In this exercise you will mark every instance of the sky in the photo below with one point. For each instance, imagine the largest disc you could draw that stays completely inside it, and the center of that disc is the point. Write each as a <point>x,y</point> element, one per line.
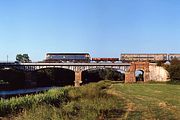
<point>103,28</point>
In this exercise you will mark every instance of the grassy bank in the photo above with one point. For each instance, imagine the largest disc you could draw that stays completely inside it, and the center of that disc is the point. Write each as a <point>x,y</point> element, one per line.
<point>16,105</point>
<point>87,102</point>
<point>102,100</point>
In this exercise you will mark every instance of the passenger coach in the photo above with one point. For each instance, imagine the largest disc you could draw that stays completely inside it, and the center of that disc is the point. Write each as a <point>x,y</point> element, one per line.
<point>172,56</point>
<point>144,57</point>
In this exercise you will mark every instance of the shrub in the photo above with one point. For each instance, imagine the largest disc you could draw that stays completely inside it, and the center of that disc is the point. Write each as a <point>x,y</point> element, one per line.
<point>174,70</point>
<point>90,90</point>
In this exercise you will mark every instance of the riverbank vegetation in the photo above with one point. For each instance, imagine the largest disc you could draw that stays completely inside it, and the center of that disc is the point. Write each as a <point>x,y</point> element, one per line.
<point>86,102</point>
<point>102,100</point>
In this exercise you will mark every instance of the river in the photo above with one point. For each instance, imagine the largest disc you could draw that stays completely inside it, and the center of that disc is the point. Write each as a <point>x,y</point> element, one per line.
<point>7,93</point>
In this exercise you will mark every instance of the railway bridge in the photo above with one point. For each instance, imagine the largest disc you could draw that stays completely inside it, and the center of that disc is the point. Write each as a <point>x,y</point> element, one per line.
<point>78,68</point>
<point>150,73</point>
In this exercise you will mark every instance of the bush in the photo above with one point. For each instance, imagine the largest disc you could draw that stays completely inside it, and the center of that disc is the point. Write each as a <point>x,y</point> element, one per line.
<point>90,90</point>
<point>174,70</point>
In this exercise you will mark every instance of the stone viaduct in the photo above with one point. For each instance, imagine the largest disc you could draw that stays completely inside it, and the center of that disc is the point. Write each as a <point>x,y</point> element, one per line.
<point>151,71</point>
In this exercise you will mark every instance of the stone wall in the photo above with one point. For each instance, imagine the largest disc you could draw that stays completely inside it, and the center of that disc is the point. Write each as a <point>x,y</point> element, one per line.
<point>158,73</point>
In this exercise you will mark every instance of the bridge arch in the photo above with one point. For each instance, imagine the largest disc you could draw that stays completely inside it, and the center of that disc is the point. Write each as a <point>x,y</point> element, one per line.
<point>14,78</point>
<point>116,68</point>
<point>139,74</point>
<point>142,66</point>
<point>52,67</point>
<point>97,74</point>
<point>53,76</point>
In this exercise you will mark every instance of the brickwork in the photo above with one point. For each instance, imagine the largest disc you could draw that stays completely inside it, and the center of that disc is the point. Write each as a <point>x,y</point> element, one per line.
<point>130,74</point>
<point>78,80</point>
<point>130,77</point>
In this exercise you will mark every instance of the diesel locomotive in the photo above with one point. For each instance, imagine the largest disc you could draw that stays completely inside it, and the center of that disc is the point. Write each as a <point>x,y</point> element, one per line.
<point>67,57</point>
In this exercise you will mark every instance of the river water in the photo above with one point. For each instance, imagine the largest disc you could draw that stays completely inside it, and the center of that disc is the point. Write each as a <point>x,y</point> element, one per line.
<point>4,94</point>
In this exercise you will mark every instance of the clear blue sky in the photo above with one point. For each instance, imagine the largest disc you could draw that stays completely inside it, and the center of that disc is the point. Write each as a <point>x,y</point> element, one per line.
<point>103,28</point>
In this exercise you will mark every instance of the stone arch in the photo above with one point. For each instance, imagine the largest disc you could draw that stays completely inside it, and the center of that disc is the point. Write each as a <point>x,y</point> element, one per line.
<point>139,75</point>
<point>130,74</point>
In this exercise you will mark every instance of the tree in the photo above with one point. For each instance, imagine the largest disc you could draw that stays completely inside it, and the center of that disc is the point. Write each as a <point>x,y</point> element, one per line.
<point>24,58</point>
<point>109,74</point>
<point>175,61</point>
<point>174,69</point>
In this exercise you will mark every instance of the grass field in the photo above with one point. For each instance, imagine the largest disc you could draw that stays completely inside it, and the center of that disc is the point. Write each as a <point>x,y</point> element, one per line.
<point>99,101</point>
<point>149,101</point>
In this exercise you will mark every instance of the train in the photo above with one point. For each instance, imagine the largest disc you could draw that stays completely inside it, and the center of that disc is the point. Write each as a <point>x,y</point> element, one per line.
<point>67,57</point>
<point>125,57</point>
<point>144,57</point>
<point>162,57</point>
<point>172,56</point>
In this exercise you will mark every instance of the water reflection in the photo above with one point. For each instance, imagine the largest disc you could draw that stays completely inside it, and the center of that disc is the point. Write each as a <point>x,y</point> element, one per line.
<point>3,94</point>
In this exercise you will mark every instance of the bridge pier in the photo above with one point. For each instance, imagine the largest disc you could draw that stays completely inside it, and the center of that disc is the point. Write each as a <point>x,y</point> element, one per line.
<point>130,77</point>
<point>78,78</point>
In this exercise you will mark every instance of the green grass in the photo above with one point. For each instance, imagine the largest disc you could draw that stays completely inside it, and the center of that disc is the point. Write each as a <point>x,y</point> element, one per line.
<point>149,101</point>
<point>95,101</point>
